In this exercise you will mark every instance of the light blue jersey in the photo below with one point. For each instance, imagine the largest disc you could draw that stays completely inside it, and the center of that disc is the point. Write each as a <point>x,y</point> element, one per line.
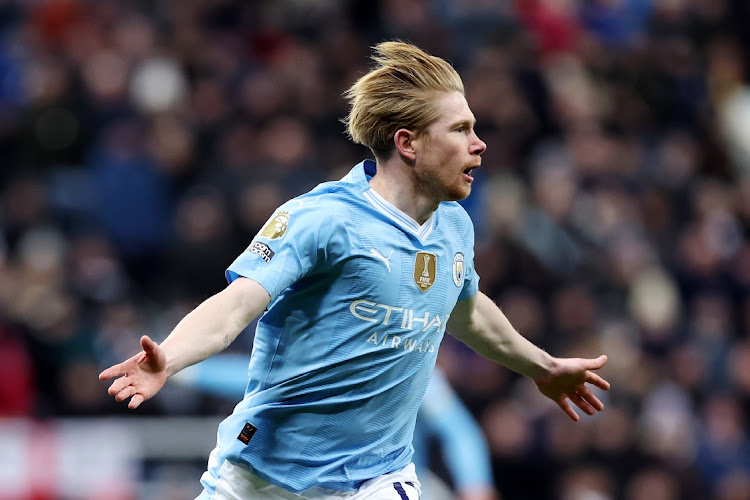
<point>360,297</point>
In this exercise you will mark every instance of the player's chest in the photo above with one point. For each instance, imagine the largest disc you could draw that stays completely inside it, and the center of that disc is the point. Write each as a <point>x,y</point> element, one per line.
<point>402,270</point>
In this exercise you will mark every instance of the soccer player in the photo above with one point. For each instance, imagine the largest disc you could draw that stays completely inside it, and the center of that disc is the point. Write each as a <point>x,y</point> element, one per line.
<point>359,280</point>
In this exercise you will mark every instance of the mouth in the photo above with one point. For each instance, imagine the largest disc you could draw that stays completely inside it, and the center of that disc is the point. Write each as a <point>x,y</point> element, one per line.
<point>467,173</point>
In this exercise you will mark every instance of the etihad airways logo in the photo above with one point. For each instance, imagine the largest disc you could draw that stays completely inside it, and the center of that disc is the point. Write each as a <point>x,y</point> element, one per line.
<point>397,316</point>
<point>395,342</point>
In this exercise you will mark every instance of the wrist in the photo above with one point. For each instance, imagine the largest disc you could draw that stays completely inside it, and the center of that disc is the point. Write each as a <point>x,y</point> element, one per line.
<point>544,367</point>
<point>172,365</point>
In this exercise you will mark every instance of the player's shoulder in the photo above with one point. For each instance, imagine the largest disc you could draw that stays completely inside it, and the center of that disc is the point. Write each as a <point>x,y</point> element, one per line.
<point>454,212</point>
<point>328,198</point>
<point>322,209</point>
<point>454,220</point>
<point>453,208</point>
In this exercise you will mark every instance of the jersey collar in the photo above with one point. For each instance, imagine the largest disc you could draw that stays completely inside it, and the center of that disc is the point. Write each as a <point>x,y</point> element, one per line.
<point>366,171</point>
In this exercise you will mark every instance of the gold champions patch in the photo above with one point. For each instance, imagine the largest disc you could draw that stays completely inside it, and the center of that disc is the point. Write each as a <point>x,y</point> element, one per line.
<point>424,270</point>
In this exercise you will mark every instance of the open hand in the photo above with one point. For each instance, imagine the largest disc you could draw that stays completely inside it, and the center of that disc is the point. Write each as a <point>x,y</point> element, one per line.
<point>141,376</point>
<point>567,381</point>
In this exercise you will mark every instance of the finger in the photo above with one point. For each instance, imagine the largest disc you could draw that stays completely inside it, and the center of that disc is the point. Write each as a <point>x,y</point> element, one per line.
<point>112,371</point>
<point>125,393</point>
<point>582,404</point>
<point>594,379</point>
<point>596,363</point>
<point>119,385</point>
<point>565,406</point>
<point>590,398</point>
<point>136,401</point>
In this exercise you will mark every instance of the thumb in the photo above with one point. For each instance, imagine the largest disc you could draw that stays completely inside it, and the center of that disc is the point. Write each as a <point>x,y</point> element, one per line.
<point>148,345</point>
<point>595,364</point>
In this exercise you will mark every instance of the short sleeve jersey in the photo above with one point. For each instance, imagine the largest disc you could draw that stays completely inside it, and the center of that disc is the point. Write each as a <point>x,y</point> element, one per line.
<point>360,297</point>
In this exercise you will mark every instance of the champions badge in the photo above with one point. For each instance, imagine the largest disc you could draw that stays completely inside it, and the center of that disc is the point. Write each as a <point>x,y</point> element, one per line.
<point>458,269</point>
<point>424,270</point>
<point>276,226</point>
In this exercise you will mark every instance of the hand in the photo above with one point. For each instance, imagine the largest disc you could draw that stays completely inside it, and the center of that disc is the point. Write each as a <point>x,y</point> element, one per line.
<point>568,380</point>
<point>141,376</point>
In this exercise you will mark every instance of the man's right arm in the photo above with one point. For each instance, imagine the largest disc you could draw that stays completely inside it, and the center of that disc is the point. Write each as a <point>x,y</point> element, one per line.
<point>205,331</point>
<point>214,324</point>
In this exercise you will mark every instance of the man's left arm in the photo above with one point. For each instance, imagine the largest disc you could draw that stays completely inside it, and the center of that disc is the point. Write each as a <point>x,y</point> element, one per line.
<point>481,325</point>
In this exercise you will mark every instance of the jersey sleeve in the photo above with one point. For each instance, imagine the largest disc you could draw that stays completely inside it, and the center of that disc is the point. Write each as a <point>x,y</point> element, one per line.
<point>290,245</point>
<point>471,278</point>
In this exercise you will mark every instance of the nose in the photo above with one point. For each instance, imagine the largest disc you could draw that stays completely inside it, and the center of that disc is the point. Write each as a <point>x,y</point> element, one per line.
<point>478,147</point>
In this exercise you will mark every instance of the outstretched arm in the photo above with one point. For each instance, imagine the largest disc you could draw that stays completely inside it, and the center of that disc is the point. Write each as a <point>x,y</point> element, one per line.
<point>480,324</point>
<point>208,329</point>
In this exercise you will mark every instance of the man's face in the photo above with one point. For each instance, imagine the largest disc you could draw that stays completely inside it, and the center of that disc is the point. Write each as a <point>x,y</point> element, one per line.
<point>448,150</point>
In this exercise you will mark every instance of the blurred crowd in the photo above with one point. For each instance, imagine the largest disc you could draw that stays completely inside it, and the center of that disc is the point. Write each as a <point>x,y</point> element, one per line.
<point>144,143</point>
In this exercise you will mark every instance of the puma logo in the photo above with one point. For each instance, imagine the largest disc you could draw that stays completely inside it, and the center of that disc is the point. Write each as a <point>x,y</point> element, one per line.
<point>375,253</point>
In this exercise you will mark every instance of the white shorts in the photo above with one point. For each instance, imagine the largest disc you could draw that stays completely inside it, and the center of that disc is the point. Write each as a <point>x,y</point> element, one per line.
<point>238,483</point>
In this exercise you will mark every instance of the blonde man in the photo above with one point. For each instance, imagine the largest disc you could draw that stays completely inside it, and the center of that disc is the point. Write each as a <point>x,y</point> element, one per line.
<point>359,284</point>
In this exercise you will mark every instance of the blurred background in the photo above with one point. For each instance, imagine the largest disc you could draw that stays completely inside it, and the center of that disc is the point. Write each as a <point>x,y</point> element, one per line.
<point>144,143</point>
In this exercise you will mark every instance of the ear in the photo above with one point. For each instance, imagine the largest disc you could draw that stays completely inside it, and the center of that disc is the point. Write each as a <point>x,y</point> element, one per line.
<point>404,141</point>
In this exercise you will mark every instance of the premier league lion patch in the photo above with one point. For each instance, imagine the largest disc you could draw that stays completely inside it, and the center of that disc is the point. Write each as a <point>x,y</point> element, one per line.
<point>276,226</point>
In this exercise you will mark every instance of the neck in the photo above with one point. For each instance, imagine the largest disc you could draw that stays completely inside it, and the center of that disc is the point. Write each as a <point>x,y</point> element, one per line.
<point>395,181</point>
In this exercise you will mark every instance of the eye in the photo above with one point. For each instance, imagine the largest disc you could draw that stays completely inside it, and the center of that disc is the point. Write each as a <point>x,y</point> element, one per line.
<point>461,128</point>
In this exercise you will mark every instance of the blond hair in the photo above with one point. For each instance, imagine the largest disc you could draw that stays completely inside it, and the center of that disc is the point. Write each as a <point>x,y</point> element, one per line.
<point>397,94</point>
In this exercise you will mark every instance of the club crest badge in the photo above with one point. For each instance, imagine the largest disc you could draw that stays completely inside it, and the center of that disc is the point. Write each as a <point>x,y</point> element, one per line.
<point>425,265</point>
<point>458,269</point>
<point>276,226</point>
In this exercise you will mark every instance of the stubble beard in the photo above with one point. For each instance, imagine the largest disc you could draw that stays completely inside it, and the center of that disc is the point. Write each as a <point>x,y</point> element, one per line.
<point>430,186</point>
